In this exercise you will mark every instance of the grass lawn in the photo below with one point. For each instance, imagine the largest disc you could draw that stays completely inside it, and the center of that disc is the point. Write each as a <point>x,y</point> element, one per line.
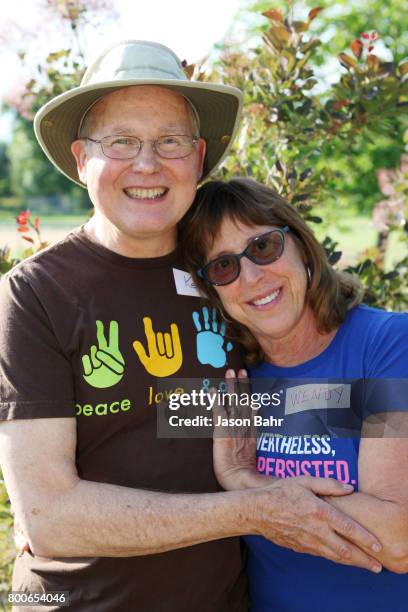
<point>53,227</point>
<point>355,235</point>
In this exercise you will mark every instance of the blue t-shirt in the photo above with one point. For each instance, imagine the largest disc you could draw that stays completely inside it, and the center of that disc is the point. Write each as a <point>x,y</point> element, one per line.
<point>324,401</point>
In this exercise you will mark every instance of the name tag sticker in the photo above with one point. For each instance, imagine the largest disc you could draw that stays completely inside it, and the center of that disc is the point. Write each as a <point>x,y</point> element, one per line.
<point>315,396</point>
<point>185,284</point>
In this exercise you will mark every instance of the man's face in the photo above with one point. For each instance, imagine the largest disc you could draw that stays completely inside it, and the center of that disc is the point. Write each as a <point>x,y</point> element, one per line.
<point>139,199</point>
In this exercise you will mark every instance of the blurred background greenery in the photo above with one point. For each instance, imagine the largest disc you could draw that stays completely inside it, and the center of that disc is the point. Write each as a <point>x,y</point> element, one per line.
<point>324,123</point>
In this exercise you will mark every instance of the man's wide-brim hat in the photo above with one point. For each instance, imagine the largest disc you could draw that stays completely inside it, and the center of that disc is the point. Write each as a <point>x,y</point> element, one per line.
<point>129,63</point>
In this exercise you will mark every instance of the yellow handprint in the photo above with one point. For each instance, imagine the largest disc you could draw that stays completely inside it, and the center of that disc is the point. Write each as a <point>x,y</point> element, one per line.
<point>164,355</point>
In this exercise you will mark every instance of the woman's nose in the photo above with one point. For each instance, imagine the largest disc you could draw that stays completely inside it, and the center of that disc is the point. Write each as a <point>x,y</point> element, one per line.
<point>250,271</point>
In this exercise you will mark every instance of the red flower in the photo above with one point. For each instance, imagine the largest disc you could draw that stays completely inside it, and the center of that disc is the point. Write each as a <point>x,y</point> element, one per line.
<point>357,48</point>
<point>337,104</point>
<point>23,217</point>
<point>369,38</point>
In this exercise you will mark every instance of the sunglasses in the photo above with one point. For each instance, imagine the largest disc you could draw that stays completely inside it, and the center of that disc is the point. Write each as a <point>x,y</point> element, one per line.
<point>262,250</point>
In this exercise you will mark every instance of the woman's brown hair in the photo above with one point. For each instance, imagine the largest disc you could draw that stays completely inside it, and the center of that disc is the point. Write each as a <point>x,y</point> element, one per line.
<point>330,293</point>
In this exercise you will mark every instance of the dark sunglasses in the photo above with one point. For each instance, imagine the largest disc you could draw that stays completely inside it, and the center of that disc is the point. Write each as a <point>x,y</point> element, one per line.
<point>262,250</point>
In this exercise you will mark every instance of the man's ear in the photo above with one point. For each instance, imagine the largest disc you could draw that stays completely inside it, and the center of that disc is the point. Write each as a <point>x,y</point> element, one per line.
<point>78,150</point>
<point>201,148</point>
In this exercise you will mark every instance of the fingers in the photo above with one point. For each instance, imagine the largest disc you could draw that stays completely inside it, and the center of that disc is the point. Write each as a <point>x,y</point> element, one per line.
<point>196,319</point>
<point>321,486</point>
<point>113,336</point>
<point>219,412</point>
<point>110,362</point>
<point>90,363</point>
<point>206,317</point>
<point>352,531</point>
<point>340,522</point>
<point>338,550</point>
<point>239,385</point>
<point>230,380</point>
<point>168,346</point>
<point>86,364</point>
<point>160,343</point>
<point>140,351</point>
<point>94,360</point>
<point>150,336</point>
<point>214,320</point>
<point>175,336</point>
<point>100,335</point>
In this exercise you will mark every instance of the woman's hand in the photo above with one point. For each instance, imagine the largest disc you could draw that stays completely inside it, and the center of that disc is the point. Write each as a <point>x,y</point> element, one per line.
<point>234,447</point>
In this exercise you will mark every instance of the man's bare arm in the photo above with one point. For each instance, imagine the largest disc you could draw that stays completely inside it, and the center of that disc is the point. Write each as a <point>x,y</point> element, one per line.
<point>64,516</point>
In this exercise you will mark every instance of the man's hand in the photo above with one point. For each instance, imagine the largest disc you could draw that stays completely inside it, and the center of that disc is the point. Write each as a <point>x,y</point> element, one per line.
<point>290,513</point>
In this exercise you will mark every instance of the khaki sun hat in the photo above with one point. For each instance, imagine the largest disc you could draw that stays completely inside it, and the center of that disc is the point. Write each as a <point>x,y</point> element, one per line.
<point>137,62</point>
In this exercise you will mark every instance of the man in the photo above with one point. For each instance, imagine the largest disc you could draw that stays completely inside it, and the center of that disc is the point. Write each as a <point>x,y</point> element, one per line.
<point>120,518</point>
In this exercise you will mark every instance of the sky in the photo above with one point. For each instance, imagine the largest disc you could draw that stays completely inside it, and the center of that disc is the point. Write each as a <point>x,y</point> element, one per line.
<point>189,27</point>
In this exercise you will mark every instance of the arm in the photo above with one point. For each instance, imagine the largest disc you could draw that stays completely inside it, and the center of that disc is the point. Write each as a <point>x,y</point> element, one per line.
<point>381,504</point>
<point>302,521</point>
<point>64,516</point>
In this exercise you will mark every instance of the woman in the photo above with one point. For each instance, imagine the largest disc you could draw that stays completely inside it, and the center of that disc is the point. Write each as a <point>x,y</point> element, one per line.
<point>341,368</point>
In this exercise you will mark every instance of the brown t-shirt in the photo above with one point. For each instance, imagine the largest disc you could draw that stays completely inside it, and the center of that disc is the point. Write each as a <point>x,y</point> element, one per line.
<point>86,332</point>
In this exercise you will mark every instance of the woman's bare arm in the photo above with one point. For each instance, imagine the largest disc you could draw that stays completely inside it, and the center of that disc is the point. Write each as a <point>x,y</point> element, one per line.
<point>381,504</point>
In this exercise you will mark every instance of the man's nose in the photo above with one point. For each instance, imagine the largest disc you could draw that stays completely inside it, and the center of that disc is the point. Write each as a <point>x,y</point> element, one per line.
<point>251,272</point>
<point>147,160</point>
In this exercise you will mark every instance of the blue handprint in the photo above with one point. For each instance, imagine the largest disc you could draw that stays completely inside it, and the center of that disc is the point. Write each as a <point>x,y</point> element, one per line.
<point>211,339</point>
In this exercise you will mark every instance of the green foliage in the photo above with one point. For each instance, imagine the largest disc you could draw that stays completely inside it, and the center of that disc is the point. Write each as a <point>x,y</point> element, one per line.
<point>338,25</point>
<point>31,174</point>
<point>6,260</point>
<point>317,148</point>
<point>4,171</point>
<point>31,233</point>
<point>7,550</point>
<point>388,290</point>
<point>346,19</point>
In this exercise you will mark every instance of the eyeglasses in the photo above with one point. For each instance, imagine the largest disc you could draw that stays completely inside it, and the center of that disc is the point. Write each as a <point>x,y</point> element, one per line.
<point>262,250</point>
<point>172,146</point>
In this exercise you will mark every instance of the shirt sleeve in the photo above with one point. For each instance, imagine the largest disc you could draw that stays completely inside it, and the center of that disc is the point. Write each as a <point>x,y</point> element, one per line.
<point>36,379</point>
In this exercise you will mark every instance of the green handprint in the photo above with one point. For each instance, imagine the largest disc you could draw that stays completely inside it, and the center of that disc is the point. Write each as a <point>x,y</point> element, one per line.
<point>105,366</point>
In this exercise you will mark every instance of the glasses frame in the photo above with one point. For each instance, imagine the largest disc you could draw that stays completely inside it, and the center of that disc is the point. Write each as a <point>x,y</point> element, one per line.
<point>201,272</point>
<point>194,141</point>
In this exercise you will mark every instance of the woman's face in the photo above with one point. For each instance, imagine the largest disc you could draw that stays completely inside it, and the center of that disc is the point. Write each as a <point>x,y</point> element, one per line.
<point>268,299</point>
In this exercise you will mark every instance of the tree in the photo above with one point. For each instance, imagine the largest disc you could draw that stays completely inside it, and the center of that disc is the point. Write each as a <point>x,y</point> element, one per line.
<point>307,145</point>
<point>335,27</point>
<point>4,170</point>
<point>30,171</point>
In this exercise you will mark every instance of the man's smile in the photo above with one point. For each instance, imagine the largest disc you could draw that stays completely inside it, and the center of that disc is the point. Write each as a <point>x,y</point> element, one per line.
<point>142,193</point>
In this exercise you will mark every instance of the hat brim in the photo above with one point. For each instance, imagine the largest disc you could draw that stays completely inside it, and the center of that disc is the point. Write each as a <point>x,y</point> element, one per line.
<point>218,107</point>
